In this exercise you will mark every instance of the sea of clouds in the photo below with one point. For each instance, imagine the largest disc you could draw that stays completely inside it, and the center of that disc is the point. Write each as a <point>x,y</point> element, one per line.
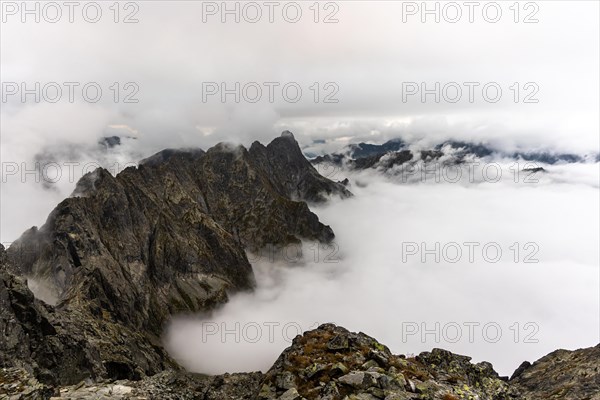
<point>377,277</point>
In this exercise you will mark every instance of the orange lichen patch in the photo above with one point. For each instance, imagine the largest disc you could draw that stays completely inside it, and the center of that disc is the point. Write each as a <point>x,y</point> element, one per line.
<point>450,396</point>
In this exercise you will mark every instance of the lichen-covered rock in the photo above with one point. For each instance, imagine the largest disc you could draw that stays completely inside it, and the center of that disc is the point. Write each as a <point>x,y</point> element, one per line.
<point>562,374</point>
<point>331,363</point>
<point>17,383</point>
<point>310,370</point>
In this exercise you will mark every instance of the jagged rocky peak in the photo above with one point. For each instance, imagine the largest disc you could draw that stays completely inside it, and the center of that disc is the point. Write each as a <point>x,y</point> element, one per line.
<point>288,134</point>
<point>164,155</point>
<point>243,199</point>
<point>168,237</point>
<point>298,179</point>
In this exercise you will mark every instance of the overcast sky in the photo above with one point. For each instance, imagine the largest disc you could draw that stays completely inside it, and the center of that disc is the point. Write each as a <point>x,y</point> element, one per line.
<point>370,62</point>
<point>369,54</point>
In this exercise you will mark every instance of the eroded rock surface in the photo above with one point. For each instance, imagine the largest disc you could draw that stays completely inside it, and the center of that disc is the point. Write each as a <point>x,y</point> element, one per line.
<point>331,363</point>
<point>125,253</point>
<point>561,374</point>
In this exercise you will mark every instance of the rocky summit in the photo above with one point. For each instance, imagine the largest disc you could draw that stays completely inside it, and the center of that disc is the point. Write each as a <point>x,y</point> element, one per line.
<point>85,297</point>
<point>331,363</point>
<point>125,253</point>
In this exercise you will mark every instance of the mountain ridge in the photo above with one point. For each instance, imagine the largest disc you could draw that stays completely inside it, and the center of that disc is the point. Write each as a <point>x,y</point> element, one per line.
<point>166,238</point>
<point>397,152</point>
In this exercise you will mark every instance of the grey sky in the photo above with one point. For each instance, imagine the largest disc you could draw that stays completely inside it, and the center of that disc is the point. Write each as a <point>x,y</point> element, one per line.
<point>368,54</point>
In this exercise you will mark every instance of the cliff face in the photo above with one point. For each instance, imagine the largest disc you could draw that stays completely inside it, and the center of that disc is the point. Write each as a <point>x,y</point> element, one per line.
<point>64,346</point>
<point>169,237</point>
<point>298,180</point>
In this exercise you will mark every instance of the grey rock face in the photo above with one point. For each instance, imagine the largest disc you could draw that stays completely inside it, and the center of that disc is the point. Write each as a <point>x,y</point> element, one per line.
<point>67,346</point>
<point>167,385</point>
<point>562,374</point>
<point>16,383</point>
<point>127,252</point>
<point>183,217</point>
<point>299,179</point>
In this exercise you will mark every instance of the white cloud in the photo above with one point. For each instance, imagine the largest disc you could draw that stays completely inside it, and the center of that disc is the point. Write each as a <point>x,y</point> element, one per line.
<point>372,289</point>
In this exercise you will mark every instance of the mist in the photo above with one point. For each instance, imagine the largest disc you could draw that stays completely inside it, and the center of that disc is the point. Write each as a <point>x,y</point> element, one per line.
<point>503,308</point>
<point>369,66</point>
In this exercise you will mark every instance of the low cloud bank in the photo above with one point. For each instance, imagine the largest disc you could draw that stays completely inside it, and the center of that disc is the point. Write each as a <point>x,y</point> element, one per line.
<point>525,283</point>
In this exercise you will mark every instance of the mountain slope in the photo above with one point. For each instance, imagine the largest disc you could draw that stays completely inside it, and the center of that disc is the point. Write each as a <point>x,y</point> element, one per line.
<point>170,237</point>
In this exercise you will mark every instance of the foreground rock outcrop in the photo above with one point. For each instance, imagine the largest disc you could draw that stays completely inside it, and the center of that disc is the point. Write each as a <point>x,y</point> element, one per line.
<point>331,363</point>
<point>561,374</point>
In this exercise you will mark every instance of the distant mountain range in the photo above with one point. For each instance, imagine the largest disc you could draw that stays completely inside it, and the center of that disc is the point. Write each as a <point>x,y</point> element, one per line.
<point>397,152</point>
